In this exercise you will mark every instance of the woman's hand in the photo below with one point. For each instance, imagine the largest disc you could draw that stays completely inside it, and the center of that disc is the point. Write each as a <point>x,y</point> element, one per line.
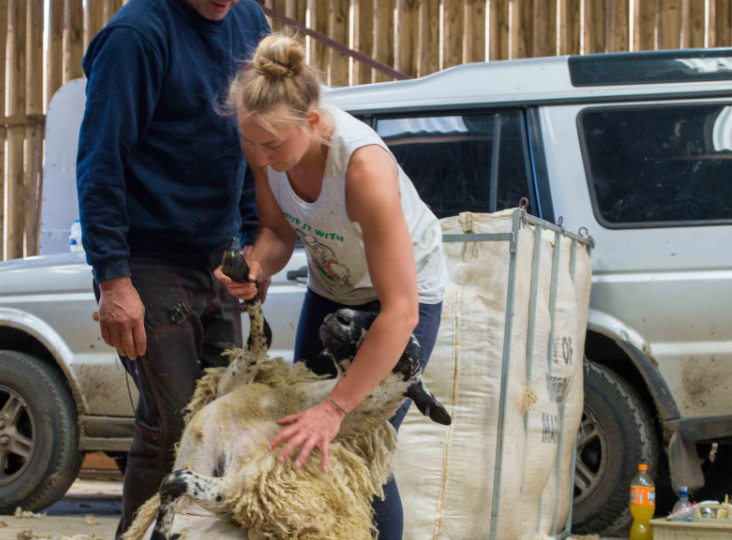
<point>246,291</point>
<point>316,426</point>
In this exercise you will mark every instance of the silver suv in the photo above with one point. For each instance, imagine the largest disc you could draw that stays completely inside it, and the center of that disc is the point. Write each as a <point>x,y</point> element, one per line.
<point>635,147</point>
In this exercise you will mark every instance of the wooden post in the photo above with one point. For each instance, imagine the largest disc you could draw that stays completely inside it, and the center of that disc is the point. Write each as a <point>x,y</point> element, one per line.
<point>453,12</point>
<point>407,36</point>
<point>16,134</point>
<point>108,10</point>
<point>270,22</point>
<point>594,26</point>
<point>383,37</point>
<point>498,31</point>
<point>55,59</point>
<point>338,30</point>
<point>570,26</point>
<point>363,38</point>
<point>34,132</point>
<point>521,28</point>
<point>429,37</point>
<point>617,37</point>
<point>93,20</point>
<point>3,51</point>
<point>280,6</point>
<point>474,42</point>
<point>318,22</point>
<point>295,10</point>
<point>644,26</point>
<point>723,28</point>
<point>544,33</point>
<point>73,40</point>
<point>668,22</point>
<point>695,34</point>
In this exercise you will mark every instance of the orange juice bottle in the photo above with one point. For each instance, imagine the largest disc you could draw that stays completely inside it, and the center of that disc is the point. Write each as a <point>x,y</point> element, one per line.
<point>642,504</point>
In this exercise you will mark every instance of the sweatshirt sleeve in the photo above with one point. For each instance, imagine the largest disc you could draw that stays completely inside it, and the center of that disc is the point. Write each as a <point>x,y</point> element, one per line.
<point>248,210</point>
<point>248,203</point>
<point>125,75</point>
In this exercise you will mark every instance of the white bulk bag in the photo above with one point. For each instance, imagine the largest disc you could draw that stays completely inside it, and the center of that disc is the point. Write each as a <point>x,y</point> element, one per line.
<point>446,475</point>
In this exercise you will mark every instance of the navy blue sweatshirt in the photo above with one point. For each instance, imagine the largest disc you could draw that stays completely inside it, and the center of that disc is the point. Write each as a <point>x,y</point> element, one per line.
<point>159,168</point>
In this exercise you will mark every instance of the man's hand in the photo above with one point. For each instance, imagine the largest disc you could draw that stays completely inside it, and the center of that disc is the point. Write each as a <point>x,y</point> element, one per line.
<point>246,291</point>
<point>122,317</point>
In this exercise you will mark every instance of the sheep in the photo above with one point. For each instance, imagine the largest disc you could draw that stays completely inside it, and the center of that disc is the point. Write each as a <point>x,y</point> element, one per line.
<point>223,464</point>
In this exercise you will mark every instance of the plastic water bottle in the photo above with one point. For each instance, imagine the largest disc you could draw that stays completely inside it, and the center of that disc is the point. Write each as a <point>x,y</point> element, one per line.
<point>75,237</point>
<point>682,508</point>
<point>642,504</point>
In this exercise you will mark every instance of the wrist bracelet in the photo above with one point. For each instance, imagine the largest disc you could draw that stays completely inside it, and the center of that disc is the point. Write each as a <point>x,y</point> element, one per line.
<point>336,404</point>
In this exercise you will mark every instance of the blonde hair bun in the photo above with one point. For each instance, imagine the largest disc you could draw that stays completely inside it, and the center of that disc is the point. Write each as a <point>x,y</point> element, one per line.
<point>279,56</point>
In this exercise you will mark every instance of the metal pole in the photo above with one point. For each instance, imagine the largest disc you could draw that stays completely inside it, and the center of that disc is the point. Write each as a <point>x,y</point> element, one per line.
<point>573,462</point>
<point>504,375</point>
<point>495,160</point>
<point>550,355</point>
<point>553,295</point>
<point>534,295</point>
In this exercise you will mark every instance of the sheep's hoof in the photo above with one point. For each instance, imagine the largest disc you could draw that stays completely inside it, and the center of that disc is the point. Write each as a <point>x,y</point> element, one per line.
<point>235,267</point>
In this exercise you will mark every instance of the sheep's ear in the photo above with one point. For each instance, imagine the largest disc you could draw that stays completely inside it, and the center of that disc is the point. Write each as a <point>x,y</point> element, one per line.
<point>427,404</point>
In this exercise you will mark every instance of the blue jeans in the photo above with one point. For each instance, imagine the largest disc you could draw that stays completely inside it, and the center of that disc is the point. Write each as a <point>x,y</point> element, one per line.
<point>389,514</point>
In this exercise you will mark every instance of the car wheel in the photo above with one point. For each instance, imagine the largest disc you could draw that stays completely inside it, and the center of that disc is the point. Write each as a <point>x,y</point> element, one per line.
<point>39,434</point>
<point>616,435</point>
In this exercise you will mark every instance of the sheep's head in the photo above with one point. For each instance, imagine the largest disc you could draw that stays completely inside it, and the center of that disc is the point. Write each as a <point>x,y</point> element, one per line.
<point>343,332</point>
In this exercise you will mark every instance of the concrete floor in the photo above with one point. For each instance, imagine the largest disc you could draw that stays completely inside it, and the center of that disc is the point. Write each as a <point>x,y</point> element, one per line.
<point>67,518</point>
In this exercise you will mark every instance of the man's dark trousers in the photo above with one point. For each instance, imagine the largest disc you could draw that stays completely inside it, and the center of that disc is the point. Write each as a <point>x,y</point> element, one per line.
<point>190,319</point>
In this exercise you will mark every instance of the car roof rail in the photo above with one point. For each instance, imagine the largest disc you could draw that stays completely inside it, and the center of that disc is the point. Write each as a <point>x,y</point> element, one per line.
<point>651,67</point>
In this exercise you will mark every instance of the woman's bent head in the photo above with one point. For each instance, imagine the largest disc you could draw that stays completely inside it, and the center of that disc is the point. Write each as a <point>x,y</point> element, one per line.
<point>277,100</point>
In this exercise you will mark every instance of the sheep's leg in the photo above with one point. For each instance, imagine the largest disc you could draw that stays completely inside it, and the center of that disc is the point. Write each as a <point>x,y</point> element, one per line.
<point>245,363</point>
<point>203,490</point>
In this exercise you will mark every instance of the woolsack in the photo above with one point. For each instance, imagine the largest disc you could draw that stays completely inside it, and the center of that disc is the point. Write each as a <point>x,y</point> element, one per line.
<point>449,493</point>
<point>223,464</point>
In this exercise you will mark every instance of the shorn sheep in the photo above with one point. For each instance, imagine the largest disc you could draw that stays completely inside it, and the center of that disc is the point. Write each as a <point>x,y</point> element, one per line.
<point>223,464</point>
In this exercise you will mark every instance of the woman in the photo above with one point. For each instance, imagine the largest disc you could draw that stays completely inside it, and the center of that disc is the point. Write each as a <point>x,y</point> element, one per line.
<point>372,244</point>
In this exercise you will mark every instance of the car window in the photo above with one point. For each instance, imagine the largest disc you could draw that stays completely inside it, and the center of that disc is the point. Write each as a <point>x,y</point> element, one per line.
<point>659,166</point>
<point>475,163</point>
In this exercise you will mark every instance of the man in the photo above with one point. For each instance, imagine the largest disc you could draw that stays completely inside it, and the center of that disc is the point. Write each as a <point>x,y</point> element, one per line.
<point>162,191</point>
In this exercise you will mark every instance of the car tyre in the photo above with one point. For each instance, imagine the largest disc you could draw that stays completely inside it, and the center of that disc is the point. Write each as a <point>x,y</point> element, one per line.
<point>617,434</point>
<point>39,438</point>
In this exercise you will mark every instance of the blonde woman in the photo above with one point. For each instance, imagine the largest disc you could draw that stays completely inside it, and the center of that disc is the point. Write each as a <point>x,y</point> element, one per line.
<point>372,244</point>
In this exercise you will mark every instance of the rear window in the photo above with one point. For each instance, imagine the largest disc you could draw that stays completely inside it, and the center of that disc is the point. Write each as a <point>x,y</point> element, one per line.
<point>468,163</point>
<point>659,166</point>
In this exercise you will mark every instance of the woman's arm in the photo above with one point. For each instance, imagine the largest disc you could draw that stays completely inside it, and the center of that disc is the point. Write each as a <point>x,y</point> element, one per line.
<point>373,200</point>
<point>275,239</point>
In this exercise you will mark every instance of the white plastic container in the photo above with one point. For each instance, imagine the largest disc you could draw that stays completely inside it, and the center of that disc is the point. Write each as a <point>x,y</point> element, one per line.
<point>75,237</point>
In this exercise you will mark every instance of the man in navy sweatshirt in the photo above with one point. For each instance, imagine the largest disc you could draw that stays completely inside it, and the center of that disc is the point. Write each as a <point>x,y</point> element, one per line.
<point>163,187</point>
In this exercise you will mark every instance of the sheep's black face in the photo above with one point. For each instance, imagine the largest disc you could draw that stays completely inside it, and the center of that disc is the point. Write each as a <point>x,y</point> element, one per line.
<point>342,332</point>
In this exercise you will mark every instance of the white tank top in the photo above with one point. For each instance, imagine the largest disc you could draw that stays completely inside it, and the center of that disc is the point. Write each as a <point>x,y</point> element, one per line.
<point>334,243</point>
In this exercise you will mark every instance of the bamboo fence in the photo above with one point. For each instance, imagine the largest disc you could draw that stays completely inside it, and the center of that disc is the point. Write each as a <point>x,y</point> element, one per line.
<point>415,37</point>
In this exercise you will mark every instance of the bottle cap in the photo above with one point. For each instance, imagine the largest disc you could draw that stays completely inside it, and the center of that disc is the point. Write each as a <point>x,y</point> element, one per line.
<point>642,467</point>
<point>684,492</point>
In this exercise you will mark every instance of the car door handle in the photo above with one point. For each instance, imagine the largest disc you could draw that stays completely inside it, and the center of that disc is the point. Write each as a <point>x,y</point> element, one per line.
<point>296,275</point>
